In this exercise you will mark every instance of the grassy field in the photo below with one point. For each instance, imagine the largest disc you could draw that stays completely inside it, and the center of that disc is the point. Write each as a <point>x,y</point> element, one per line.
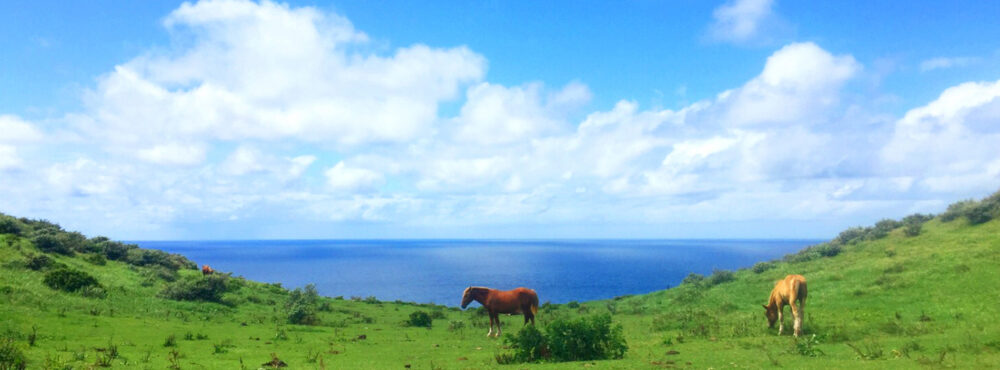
<point>895,301</point>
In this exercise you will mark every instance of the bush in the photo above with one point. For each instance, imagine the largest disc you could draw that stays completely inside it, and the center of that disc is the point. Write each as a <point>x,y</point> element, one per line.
<point>760,267</point>
<point>69,280</point>
<point>529,345</point>
<point>693,279</point>
<point>882,228</point>
<point>115,250</point>
<point>580,339</point>
<point>585,338</point>
<point>97,259</point>
<point>720,276</point>
<point>197,288</point>
<point>827,249</point>
<point>10,225</point>
<point>850,235</point>
<point>38,262</point>
<point>11,357</point>
<point>912,229</point>
<point>302,305</point>
<point>420,319</point>
<point>980,213</point>
<point>49,243</point>
<point>956,210</point>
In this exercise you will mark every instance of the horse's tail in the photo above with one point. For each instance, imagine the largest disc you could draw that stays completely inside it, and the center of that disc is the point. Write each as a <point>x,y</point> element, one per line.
<point>534,304</point>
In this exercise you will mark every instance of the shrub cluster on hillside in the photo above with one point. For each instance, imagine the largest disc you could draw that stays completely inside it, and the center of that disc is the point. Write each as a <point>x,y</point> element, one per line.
<point>51,238</point>
<point>302,306</point>
<point>69,280</point>
<point>976,212</point>
<point>580,339</point>
<point>198,288</point>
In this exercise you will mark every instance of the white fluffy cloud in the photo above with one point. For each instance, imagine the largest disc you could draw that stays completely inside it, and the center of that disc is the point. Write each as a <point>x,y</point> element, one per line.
<point>951,142</point>
<point>15,132</point>
<point>740,20</point>
<point>799,84</point>
<point>267,71</point>
<point>342,178</point>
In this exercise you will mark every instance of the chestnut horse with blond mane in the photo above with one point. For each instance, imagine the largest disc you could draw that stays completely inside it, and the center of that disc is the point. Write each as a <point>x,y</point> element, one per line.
<point>786,292</point>
<point>517,301</point>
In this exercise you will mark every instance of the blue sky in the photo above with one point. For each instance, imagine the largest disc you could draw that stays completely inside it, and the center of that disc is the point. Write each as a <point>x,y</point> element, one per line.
<point>494,119</point>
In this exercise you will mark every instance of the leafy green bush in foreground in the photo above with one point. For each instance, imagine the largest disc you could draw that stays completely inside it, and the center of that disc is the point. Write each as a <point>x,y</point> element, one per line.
<point>580,339</point>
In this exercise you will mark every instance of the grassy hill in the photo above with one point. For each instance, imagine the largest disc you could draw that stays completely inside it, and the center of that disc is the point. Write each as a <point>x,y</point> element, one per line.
<point>918,292</point>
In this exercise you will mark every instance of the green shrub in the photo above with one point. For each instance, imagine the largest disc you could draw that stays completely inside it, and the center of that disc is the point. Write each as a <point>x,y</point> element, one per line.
<point>760,267</point>
<point>420,319</point>
<point>11,357</point>
<point>69,280</point>
<point>573,304</point>
<point>529,345</point>
<point>150,257</point>
<point>10,225</point>
<point>38,262</point>
<point>912,229</point>
<point>579,339</point>
<point>585,338</point>
<point>980,213</point>
<point>882,228</point>
<point>827,249</point>
<point>49,243</point>
<point>302,305</point>
<point>693,279</point>
<point>956,210</point>
<point>850,235</point>
<point>720,276</point>
<point>197,288</point>
<point>97,259</point>
<point>115,250</point>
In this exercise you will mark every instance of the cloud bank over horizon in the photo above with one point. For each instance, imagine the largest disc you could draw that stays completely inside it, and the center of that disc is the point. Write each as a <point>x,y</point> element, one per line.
<point>264,120</point>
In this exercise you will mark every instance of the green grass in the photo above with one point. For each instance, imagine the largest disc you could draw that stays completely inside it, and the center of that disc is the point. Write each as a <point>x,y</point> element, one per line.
<point>895,302</point>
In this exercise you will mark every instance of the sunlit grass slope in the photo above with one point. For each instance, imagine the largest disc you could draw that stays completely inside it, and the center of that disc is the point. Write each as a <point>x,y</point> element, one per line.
<point>882,297</point>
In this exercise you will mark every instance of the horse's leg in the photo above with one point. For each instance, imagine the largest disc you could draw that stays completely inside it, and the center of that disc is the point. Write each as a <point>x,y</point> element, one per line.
<point>499,332</point>
<point>781,318</point>
<point>799,314</point>
<point>490,334</point>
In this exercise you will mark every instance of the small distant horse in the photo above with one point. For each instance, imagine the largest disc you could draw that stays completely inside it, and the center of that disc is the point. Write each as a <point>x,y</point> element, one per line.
<point>517,301</point>
<point>205,270</point>
<point>786,292</point>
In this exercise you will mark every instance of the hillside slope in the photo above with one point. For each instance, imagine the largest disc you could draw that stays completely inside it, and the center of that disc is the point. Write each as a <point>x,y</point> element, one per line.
<point>878,298</point>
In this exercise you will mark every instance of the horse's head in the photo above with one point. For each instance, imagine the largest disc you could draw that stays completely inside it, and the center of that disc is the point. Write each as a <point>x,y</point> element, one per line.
<point>771,311</point>
<point>467,297</point>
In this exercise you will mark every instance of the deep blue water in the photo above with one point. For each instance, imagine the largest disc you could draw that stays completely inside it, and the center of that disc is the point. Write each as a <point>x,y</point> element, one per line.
<point>439,270</point>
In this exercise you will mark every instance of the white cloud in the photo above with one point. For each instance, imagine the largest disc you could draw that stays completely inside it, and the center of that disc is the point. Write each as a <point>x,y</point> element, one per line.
<point>13,129</point>
<point>494,114</point>
<point>351,179</point>
<point>267,71</point>
<point>740,21</point>
<point>951,143</point>
<point>174,154</point>
<point>799,84</point>
<point>947,62</point>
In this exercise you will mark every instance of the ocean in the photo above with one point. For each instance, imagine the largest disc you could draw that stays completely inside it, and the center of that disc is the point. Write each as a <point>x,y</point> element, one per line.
<point>437,271</point>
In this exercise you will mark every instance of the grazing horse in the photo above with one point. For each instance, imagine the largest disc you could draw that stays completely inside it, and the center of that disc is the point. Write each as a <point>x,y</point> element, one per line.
<point>205,270</point>
<point>786,292</point>
<point>517,301</point>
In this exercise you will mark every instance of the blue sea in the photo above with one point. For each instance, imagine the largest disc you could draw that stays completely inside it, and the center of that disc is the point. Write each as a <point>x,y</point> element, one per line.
<point>437,271</point>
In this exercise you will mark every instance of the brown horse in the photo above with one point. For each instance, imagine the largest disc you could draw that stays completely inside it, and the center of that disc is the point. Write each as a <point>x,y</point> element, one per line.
<point>517,301</point>
<point>786,292</point>
<point>205,270</point>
